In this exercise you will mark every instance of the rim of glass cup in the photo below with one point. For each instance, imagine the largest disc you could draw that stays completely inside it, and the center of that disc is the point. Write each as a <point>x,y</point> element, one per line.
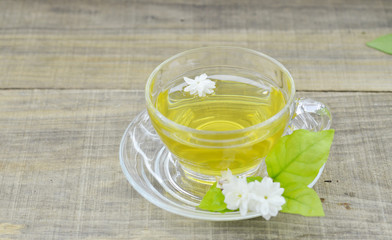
<point>207,132</point>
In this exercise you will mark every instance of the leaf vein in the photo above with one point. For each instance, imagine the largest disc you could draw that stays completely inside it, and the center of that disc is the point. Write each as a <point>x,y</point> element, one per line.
<point>295,158</point>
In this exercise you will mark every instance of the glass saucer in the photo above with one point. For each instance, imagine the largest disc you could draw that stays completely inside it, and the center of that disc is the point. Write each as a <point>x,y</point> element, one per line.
<point>153,173</point>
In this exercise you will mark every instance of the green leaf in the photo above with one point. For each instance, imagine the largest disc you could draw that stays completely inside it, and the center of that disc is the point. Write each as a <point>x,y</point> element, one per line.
<point>302,200</point>
<point>297,158</point>
<point>383,43</point>
<point>254,178</point>
<point>213,200</point>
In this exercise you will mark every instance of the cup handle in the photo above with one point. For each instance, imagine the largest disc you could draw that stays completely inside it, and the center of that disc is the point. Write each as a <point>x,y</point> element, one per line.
<point>310,115</point>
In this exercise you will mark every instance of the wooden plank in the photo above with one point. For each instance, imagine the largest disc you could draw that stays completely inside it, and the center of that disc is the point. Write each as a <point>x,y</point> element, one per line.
<point>116,44</point>
<point>179,15</point>
<point>327,60</point>
<point>60,177</point>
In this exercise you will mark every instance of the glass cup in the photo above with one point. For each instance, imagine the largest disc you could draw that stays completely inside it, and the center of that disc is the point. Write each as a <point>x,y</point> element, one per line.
<point>203,152</point>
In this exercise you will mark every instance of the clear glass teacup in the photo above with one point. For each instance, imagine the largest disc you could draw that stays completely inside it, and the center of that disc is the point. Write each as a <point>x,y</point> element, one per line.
<point>251,106</point>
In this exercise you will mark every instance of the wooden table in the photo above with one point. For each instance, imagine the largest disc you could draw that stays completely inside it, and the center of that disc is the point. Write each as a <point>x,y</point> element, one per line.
<point>72,75</point>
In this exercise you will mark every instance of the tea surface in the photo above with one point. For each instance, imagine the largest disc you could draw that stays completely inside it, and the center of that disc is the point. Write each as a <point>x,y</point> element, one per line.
<point>233,106</point>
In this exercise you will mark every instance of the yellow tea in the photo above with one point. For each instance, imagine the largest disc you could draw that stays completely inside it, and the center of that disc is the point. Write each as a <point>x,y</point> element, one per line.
<point>236,107</point>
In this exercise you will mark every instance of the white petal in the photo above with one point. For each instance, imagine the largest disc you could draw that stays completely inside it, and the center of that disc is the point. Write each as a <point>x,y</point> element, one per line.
<point>267,180</point>
<point>201,92</point>
<point>210,83</point>
<point>273,212</point>
<point>227,177</point>
<point>244,208</point>
<point>267,217</point>
<point>279,201</point>
<point>264,208</point>
<point>187,89</point>
<point>227,174</point>
<point>232,200</point>
<point>190,87</point>
<point>209,91</point>
<point>188,80</point>
<point>203,76</point>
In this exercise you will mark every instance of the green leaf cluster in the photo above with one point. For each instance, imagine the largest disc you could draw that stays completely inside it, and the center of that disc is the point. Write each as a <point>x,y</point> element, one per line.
<point>294,162</point>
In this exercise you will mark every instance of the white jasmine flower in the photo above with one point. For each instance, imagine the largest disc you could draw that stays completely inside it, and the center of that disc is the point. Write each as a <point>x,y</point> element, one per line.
<point>200,85</point>
<point>266,197</point>
<point>227,177</point>
<point>236,195</point>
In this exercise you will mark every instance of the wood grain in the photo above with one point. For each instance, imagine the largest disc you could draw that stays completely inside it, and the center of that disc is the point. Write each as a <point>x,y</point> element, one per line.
<point>60,176</point>
<point>179,15</point>
<point>116,44</point>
